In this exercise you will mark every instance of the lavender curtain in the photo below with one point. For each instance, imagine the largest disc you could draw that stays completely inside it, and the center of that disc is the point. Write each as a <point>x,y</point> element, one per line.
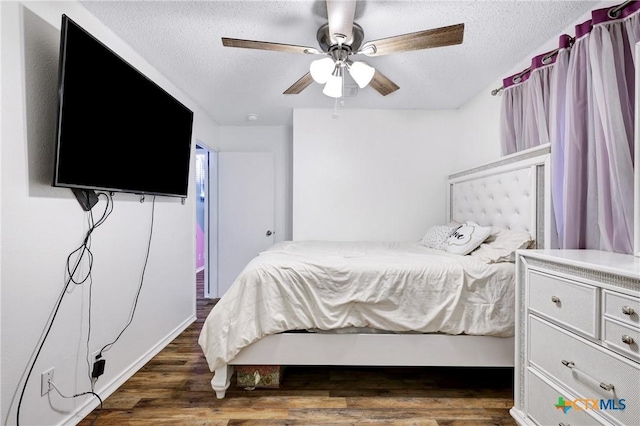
<point>525,112</point>
<point>611,50</point>
<point>511,120</point>
<point>578,171</point>
<point>557,122</point>
<point>586,106</point>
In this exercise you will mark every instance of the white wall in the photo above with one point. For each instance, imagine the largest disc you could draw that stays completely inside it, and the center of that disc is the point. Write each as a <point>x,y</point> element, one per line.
<point>276,139</point>
<point>479,131</point>
<point>463,139</point>
<point>371,174</point>
<point>41,225</point>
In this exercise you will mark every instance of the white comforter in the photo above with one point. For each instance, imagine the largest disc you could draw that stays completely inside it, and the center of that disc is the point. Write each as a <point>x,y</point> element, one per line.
<point>388,286</point>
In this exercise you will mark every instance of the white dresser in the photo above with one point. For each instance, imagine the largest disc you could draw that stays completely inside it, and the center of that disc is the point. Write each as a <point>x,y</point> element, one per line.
<point>577,338</point>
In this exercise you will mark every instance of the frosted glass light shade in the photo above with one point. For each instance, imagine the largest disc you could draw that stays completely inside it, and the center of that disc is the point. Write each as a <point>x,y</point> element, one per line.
<point>362,73</point>
<point>321,70</point>
<point>333,88</point>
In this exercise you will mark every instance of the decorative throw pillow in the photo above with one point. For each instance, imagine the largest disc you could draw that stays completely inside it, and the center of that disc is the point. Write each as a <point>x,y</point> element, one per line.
<point>466,238</point>
<point>436,236</point>
<point>502,245</point>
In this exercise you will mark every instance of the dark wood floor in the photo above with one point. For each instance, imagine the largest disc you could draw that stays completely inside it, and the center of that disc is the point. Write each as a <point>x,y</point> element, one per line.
<point>174,388</point>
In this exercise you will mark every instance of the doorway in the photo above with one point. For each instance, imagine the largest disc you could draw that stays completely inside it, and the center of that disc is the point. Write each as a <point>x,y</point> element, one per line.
<point>246,211</point>
<point>206,221</point>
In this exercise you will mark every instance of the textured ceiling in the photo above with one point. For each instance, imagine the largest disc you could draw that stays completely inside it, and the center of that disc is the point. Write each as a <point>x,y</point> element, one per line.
<point>183,41</point>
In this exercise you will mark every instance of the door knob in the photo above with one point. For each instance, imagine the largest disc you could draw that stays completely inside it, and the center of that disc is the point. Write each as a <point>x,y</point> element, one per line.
<point>269,233</point>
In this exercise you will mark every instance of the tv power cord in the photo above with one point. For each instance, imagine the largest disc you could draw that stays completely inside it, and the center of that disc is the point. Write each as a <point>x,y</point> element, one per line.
<point>82,250</point>
<point>52,385</point>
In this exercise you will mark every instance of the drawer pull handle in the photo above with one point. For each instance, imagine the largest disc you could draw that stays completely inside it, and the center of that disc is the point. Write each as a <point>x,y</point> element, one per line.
<point>569,364</point>
<point>627,339</point>
<point>555,299</point>
<point>606,387</point>
<point>563,424</point>
<point>628,310</point>
<point>572,365</point>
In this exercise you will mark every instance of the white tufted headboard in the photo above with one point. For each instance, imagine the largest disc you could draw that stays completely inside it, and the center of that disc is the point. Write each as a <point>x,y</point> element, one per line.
<point>511,193</point>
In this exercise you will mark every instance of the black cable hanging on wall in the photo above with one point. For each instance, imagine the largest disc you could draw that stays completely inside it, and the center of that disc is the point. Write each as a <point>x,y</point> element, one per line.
<point>84,250</point>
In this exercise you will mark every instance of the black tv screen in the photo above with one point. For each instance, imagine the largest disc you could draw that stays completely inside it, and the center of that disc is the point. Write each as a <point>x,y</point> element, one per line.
<point>117,130</point>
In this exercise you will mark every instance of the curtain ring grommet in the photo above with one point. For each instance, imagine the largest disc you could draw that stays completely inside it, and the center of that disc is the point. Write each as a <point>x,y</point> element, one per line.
<point>614,13</point>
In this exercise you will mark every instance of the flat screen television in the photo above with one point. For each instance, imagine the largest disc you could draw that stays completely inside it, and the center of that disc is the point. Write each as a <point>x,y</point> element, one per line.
<point>117,130</point>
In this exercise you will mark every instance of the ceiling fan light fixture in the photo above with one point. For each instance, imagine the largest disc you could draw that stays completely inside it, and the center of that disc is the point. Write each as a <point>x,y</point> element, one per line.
<point>362,73</point>
<point>321,70</point>
<point>333,87</point>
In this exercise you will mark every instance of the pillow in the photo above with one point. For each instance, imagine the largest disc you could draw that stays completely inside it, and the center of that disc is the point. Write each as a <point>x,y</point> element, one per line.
<point>466,238</point>
<point>501,245</point>
<point>436,236</point>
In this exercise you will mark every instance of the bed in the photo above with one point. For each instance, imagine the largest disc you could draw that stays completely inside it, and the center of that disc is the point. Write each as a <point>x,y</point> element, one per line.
<point>436,308</point>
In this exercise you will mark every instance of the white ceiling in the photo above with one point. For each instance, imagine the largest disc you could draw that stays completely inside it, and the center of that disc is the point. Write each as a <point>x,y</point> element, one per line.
<point>182,39</point>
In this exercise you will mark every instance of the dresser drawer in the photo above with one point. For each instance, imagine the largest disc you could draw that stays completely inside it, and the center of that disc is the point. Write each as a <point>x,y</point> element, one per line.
<point>565,302</point>
<point>542,404</point>
<point>551,348</point>
<point>622,307</point>
<point>621,338</point>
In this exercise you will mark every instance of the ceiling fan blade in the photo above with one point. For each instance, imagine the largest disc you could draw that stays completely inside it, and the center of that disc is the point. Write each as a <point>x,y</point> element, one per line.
<point>340,14</point>
<point>382,84</point>
<point>436,37</point>
<point>299,85</point>
<point>265,45</point>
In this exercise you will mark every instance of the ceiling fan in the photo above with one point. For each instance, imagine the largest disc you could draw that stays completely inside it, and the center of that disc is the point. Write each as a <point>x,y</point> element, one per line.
<point>340,39</point>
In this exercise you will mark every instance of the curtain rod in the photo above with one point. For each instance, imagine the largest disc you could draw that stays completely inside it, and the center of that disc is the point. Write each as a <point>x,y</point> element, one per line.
<point>518,77</point>
<point>613,13</point>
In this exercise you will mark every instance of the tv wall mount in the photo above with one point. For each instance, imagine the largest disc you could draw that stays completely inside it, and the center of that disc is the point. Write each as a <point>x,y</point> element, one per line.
<point>86,197</point>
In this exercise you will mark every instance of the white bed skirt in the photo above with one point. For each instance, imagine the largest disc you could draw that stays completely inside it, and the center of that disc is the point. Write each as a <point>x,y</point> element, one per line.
<point>370,350</point>
<point>379,350</point>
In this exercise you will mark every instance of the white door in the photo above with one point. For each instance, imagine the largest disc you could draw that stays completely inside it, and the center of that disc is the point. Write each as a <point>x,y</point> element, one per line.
<point>211,270</point>
<point>246,189</point>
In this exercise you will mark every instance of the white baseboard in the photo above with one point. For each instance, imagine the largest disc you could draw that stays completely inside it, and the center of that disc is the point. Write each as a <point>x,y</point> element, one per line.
<point>109,388</point>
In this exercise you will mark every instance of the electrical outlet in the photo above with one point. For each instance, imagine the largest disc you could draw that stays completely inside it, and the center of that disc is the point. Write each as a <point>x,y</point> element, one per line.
<point>45,377</point>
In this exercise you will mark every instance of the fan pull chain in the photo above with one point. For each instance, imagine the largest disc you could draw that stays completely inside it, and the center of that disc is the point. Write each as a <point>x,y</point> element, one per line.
<point>339,102</point>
